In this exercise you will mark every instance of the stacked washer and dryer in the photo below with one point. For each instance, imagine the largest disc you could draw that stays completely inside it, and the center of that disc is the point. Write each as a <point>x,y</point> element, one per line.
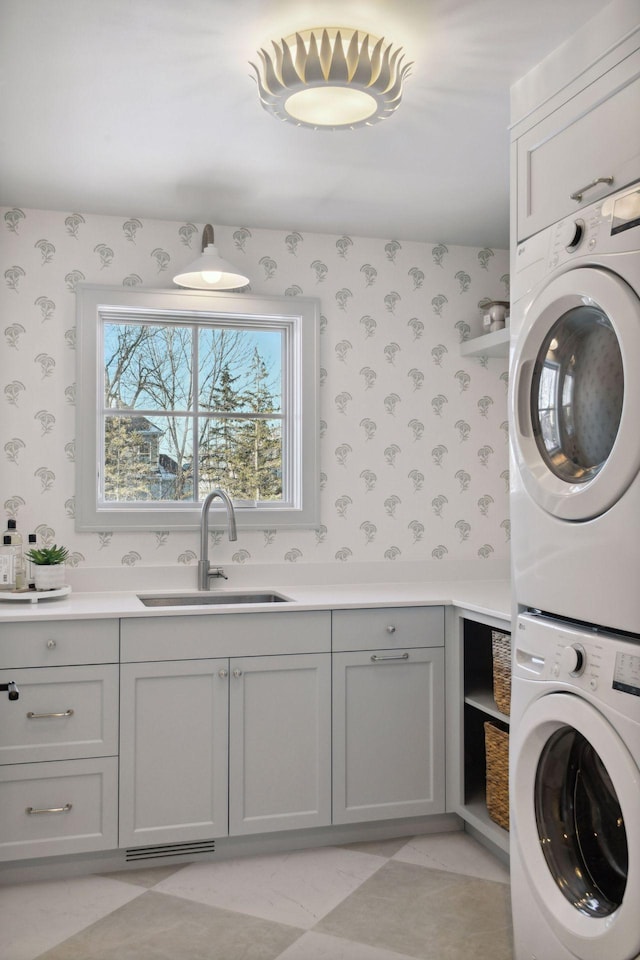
<point>575,508</point>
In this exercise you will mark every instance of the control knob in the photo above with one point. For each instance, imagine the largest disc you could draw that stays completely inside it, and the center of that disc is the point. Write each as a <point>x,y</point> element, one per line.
<point>573,659</point>
<point>571,234</point>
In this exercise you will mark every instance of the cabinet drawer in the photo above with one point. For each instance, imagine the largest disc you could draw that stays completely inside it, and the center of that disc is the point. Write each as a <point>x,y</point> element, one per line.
<point>225,635</point>
<point>54,808</point>
<point>62,713</point>
<point>388,628</point>
<point>58,642</point>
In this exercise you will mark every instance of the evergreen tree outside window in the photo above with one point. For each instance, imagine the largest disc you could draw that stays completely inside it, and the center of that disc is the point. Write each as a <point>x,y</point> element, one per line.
<point>194,391</point>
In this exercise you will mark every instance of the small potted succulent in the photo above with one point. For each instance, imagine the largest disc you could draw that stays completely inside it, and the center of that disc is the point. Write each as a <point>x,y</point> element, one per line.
<point>48,566</point>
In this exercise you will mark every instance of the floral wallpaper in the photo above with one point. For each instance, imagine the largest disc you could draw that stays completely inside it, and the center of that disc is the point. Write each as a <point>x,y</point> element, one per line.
<point>413,436</point>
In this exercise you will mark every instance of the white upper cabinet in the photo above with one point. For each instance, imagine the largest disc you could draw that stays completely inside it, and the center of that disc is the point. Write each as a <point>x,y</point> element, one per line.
<point>575,135</point>
<point>577,154</point>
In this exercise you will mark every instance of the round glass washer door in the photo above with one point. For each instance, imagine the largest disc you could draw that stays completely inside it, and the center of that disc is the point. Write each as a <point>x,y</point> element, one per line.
<point>580,824</point>
<point>575,392</point>
<point>576,818</point>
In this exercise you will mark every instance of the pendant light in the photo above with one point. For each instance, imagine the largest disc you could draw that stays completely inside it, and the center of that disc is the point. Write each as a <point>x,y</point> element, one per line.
<point>210,271</point>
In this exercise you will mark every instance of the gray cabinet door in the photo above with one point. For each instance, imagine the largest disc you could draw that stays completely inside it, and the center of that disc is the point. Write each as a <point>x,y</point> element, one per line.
<point>280,742</point>
<point>173,751</point>
<point>388,734</point>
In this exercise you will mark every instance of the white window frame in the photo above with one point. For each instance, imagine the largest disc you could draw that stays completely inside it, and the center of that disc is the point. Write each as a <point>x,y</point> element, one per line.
<point>299,317</point>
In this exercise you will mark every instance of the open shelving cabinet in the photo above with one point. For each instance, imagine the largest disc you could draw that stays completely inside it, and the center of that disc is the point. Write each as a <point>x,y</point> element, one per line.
<point>470,703</point>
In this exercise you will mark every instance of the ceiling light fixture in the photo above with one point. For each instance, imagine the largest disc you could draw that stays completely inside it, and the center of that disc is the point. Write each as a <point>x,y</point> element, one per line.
<point>331,78</point>
<point>210,271</point>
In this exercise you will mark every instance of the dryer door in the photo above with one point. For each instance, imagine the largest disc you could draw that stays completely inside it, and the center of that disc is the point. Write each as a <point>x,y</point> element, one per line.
<point>576,815</point>
<point>576,393</point>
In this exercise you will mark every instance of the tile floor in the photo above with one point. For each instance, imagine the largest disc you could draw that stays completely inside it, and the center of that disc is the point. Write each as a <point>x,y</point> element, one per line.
<point>436,897</point>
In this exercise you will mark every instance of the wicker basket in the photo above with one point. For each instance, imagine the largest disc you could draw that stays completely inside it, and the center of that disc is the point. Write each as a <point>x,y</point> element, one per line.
<point>497,751</point>
<point>501,648</point>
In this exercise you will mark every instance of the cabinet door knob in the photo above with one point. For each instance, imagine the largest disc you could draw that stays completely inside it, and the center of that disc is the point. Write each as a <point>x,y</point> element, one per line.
<point>237,673</point>
<point>223,674</point>
<point>51,644</point>
<point>391,628</point>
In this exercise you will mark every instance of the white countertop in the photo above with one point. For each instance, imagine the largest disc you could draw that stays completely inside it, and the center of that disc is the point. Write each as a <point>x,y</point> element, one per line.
<point>489,597</point>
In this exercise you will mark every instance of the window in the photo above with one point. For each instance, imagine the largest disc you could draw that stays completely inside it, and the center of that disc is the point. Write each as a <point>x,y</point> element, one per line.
<point>193,391</point>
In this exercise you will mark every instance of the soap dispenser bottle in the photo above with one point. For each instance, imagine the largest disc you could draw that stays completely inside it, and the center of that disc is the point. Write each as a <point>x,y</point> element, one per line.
<point>30,567</point>
<point>15,538</point>
<point>7,564</point>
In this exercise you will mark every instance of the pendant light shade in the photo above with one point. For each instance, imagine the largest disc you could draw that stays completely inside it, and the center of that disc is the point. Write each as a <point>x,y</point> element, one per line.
<point>331,78</point>
<point>210,271</point>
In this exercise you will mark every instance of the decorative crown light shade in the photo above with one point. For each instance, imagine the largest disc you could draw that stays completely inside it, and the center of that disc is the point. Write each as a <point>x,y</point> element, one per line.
<point>210,271</point>
<point>333,78</point>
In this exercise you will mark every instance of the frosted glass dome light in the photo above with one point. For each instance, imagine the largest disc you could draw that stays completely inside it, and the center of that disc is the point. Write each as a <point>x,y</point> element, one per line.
<point>332,78</point>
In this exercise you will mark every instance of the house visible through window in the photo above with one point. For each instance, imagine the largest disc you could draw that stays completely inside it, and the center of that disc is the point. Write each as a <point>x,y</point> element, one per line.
<point>191,392</point>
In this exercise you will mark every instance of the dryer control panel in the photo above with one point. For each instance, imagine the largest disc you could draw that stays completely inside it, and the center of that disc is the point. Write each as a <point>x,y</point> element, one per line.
<point>626,675</point>
<point>575,659</point>
<point>608,226</point>
<point>602,665</point>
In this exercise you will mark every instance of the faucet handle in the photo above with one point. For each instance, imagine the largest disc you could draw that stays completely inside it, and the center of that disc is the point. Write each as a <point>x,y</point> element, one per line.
<point>217,572</point>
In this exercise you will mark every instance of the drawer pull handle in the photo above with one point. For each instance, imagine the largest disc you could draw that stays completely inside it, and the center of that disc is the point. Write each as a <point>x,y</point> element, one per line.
<point>48,716</point>
<point>401,656</point>
<point>391,628</point>
<point>34,810</point>
<point>51,644</point>
<point>594,183</point>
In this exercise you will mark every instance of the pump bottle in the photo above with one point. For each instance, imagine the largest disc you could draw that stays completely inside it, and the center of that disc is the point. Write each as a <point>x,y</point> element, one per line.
<point>16,542</point>
<point>7,564</point>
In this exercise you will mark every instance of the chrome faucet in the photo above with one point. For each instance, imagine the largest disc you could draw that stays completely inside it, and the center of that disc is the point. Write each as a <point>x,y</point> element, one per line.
<point>204,572</point>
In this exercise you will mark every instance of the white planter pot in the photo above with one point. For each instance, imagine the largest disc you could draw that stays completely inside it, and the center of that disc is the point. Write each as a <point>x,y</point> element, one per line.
<point>49,576</point>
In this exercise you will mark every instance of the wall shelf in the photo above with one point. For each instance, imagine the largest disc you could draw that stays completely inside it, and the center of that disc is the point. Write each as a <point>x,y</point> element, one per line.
<point>495,344</point>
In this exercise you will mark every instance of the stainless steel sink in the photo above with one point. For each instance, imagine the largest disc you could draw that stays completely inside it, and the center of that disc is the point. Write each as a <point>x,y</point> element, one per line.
<point>209,599</point>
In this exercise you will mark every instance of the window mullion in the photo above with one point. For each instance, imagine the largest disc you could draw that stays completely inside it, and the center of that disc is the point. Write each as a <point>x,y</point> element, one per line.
<point>195,409</point>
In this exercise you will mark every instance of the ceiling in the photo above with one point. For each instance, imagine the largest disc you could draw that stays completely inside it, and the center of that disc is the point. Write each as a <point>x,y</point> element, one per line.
<point>148,108</point>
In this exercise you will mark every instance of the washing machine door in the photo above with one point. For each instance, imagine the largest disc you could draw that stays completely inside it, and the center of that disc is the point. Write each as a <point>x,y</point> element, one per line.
<point>576,394</point>
<point>575,815</point>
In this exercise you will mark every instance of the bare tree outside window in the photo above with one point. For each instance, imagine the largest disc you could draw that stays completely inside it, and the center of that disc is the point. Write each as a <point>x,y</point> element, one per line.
<point>189,406</point>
